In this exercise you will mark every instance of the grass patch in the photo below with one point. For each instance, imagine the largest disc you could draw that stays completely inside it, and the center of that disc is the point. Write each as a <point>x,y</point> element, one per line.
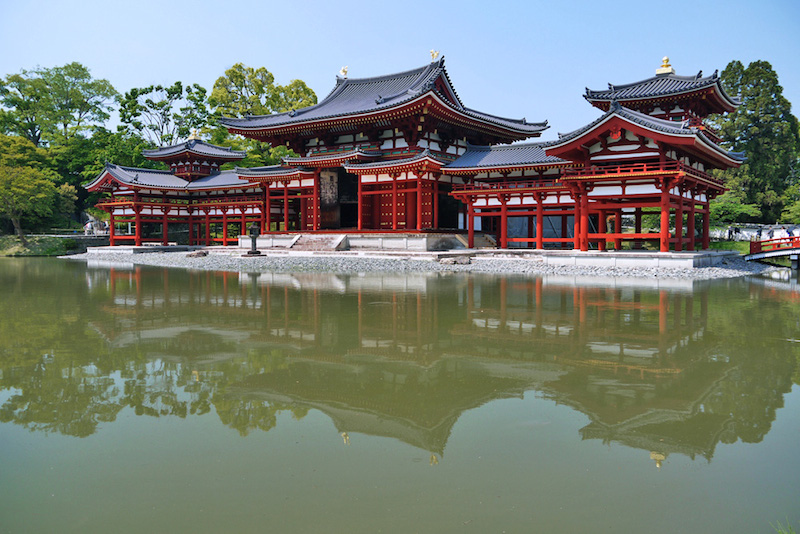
<point>780,529</point>
<point>742,247</point>
<point>10,245</point>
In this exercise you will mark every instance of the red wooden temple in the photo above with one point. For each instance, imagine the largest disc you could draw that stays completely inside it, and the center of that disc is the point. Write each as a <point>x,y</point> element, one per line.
<point>401,153</point>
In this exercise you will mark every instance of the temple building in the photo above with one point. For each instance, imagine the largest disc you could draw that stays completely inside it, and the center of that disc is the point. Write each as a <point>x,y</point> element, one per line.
<point>401,153</point>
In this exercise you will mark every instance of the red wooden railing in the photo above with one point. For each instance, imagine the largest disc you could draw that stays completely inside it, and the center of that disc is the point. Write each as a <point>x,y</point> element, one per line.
<point>516,184</point>
<point>769,245</point>
<point>637,168</point>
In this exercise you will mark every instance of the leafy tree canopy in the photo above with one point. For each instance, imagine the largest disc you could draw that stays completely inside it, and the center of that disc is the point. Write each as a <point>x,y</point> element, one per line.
<point>245,91</point>
<point>764,128</point>
<point>164,115</point>
<point>53,105</point>
<point>25,191</point>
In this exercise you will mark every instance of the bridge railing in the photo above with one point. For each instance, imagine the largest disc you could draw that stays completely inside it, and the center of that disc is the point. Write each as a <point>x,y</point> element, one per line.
<point>779,243</point>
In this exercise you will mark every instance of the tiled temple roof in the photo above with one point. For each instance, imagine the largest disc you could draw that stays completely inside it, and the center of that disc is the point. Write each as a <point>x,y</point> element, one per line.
<point>352,96</point>
<point>149,178</point>
<point>658,86</point>
<point>333,157</point>
<point>194,146</point>
<point>272,171</point>
<point>676,128</point>
<point>499,156</point>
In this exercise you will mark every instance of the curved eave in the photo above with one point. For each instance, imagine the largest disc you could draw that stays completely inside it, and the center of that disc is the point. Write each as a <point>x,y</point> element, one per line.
<point>489,124</point>
<point>459,171</point>
<point>332,159</point>
<point>98,183</point>
<point>723,100</point>
<point>102,183</point>
<point>423,163</point>
<point>692,139</point>
<point>194,154</point>
<point>276,174</point>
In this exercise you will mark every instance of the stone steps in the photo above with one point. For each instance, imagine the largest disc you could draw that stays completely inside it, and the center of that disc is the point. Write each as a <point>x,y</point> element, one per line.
<point>317,242</point>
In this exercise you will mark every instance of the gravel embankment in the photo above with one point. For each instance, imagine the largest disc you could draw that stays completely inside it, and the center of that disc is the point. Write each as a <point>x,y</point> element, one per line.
<point>729,268</point>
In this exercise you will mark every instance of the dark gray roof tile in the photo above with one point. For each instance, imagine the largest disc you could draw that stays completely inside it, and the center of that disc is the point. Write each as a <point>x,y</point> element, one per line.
<point>362,95</point>
<point>658,86</point>
<point>137,177</point>
<point>504,156</point>
<point>195,146</point>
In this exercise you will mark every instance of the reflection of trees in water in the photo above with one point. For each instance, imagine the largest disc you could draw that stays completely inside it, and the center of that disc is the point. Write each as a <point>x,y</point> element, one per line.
<point>403,363</point>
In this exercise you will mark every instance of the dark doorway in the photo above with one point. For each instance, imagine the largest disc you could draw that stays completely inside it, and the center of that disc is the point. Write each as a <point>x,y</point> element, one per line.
<point>348,199</point>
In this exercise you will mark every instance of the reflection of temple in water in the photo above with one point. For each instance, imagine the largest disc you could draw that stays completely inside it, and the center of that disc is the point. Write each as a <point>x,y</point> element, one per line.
<point>404,356</point>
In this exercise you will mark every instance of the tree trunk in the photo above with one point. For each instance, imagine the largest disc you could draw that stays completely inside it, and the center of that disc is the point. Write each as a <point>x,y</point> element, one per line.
<point>18,230</point>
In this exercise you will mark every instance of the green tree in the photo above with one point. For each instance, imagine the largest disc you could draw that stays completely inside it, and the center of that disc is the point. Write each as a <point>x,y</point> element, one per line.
<point>27,101</point>
<point>25,191</point>
<point>53,104</point>
<point>731,207</point>
<point>164,115</point>
<point>77,99</point>
<point>764,128</point>
<point>242,91</point>
<point>16,151</point>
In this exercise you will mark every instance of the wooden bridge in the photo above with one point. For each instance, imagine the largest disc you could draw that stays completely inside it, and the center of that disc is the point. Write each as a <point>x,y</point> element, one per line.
<point>771,248</point>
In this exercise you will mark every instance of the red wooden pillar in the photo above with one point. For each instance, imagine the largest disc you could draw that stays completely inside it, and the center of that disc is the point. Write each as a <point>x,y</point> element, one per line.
<point>576,219</point>
<point>503,222</point>
<point>208,228</point>
<point>679,225</point>
<point>539,222</point>
<point>303,214</point>
<point>285,206</point>
<point>564,231</point>
<point>137,237</point>
<point>664,231</point>
<point>470,223</point>
<point>584,239</point>
<point>164,227</point>
<point>360,225</point>
<point>264,208</point>
<point>419,201</point>
<point>394,202</point>
<point>111,229</point>
<point>224,226</point>
<point>244,222</point>
<point>269,210</point>
<point>618,230</point>
<point>602,225</point>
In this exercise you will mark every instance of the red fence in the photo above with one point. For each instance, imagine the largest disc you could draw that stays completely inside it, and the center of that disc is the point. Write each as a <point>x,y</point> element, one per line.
<point>769,245</point>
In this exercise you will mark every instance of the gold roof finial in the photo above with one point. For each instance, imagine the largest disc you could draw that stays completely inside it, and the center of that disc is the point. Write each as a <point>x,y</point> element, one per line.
<point>665,68</point>
<point>343,72</point>
<point>195,136</point>
<point>659,458</point>
<point>434,55</point>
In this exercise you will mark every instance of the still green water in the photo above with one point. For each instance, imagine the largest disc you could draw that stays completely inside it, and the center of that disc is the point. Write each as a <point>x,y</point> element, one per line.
<point>151,400</point>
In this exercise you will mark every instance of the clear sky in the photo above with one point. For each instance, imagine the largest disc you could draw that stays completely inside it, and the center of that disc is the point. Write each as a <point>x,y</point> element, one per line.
<point>515,59</point>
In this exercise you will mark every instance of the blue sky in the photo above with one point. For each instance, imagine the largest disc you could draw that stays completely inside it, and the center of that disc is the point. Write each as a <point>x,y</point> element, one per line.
<point>514,59</point>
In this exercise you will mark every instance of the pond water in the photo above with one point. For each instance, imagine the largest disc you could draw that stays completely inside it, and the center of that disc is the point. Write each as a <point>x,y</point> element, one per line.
<point>138,399</point>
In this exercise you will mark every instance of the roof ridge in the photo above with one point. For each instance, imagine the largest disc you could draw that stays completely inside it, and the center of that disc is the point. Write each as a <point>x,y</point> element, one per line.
<point>615,88</point>
<point>439,63</point>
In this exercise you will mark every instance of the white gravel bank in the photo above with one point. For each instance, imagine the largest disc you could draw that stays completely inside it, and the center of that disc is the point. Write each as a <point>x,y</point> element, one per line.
<point>729,268</point>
